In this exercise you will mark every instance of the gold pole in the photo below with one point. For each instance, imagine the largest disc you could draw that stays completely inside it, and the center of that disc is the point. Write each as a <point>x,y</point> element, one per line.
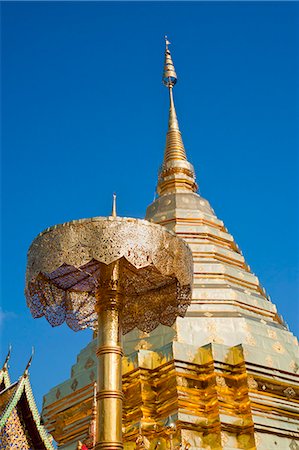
<point>109,353</point>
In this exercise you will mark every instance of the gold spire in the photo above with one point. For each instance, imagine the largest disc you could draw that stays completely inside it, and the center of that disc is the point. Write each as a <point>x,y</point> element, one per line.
<point>177,174</point>
<point>113,212</point>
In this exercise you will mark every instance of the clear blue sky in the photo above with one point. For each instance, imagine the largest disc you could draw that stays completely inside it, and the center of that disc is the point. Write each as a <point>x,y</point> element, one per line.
<point>84,113</point>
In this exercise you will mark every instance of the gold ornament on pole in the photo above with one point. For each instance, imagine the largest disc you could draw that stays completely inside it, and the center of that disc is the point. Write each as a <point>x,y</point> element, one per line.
<point>113,274</point>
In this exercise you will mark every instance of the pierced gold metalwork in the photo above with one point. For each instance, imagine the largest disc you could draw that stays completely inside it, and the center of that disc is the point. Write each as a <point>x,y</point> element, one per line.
<point>115,273</point>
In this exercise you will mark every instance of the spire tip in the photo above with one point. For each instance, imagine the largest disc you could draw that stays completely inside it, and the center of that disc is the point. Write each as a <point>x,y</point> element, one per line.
<point>113,213</point>
<point>169,77</point>
<point>167,42</point>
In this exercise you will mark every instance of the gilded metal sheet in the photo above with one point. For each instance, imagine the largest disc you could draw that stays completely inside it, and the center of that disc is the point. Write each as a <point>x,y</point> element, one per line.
<point>67,265</point>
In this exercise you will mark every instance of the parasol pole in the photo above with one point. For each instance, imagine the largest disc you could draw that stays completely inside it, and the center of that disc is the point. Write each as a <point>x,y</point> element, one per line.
<point>109,353</point>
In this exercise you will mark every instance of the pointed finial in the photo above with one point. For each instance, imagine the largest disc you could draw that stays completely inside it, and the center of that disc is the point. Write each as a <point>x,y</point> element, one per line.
<point>5,365</point>
<point>169,77</point>
<point>29,363</point>
<point>166,42</point>
<point>177,174</point>
<point>113,213</point>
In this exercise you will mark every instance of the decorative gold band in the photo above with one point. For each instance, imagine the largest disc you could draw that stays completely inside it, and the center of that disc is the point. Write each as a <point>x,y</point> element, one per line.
<point>114,445</point>
<point>107,393</point>
<point>109,349</point>
<point>111,302</point>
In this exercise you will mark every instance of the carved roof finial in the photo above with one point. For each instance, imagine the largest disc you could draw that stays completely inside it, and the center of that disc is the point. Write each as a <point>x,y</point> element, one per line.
<point>29,363</point>
<point>5,365</point>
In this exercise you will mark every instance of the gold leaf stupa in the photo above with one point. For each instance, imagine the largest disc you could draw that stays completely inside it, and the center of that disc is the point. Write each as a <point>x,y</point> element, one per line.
<point>225,376</point>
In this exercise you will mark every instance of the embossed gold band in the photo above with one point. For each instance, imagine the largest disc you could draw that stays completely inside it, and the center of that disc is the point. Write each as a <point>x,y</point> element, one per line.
<point>109,349</point>
<point>109,446</point>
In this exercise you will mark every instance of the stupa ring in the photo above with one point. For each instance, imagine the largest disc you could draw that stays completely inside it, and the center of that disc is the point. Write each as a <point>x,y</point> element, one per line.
<point>66,263</point>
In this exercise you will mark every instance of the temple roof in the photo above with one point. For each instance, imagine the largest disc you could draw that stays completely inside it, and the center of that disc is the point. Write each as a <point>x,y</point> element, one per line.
<point>20,426</point>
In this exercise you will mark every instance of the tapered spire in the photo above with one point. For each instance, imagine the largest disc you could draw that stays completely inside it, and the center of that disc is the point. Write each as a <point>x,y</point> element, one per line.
<point>177,174</point>
<point>113,212</point>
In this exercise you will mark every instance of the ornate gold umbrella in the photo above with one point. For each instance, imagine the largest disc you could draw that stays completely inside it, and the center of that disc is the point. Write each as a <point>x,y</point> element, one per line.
<point>113,274</point>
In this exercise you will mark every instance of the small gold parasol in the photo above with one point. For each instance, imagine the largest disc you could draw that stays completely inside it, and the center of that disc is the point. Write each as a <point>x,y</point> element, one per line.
<point>113,274</point>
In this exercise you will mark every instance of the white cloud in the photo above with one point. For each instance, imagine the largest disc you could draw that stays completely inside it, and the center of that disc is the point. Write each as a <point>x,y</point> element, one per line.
<point>6,315</point>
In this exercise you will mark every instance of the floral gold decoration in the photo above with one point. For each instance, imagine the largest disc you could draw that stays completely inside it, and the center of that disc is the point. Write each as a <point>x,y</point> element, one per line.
<point>289,392</point>
<point>113,274</point>
<point>278,347</point>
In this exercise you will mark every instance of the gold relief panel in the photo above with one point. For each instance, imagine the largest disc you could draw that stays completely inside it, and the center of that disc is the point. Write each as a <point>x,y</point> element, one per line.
<point>294,366</point>
<point>258,441</point>
<point>245,352</point>
<point>89,363</point>
<point>92,376</point>
<point>252,383</point>
<point>277,389</point>
<point>216,339</point>
<point>190,355</point>
<point>289,392</point>
<point>246,327</point>
<point>246,441</point>
<point>74,384</point>
<point>212,326</point>
<point>269,361</point>
<point>143,345</point>
<point>250,340</point>
<point>212,441</point>
<point>182,381</point>
<point>278,347</point>
<point>224,438</point>
<point>143,334</point>
<point>294,445</point>
<point>271,333</point>
<point>191,437</point>
<point>220,381</point>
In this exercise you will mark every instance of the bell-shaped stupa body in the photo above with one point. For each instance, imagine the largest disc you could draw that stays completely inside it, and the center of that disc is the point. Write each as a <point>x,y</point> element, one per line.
<point>227,373</point>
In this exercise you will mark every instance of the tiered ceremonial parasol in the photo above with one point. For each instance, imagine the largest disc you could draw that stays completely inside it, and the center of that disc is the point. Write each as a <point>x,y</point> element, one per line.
<point>111,274</point>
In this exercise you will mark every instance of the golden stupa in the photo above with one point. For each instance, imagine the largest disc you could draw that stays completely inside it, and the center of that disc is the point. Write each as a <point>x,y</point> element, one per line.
<point>225,376</point>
